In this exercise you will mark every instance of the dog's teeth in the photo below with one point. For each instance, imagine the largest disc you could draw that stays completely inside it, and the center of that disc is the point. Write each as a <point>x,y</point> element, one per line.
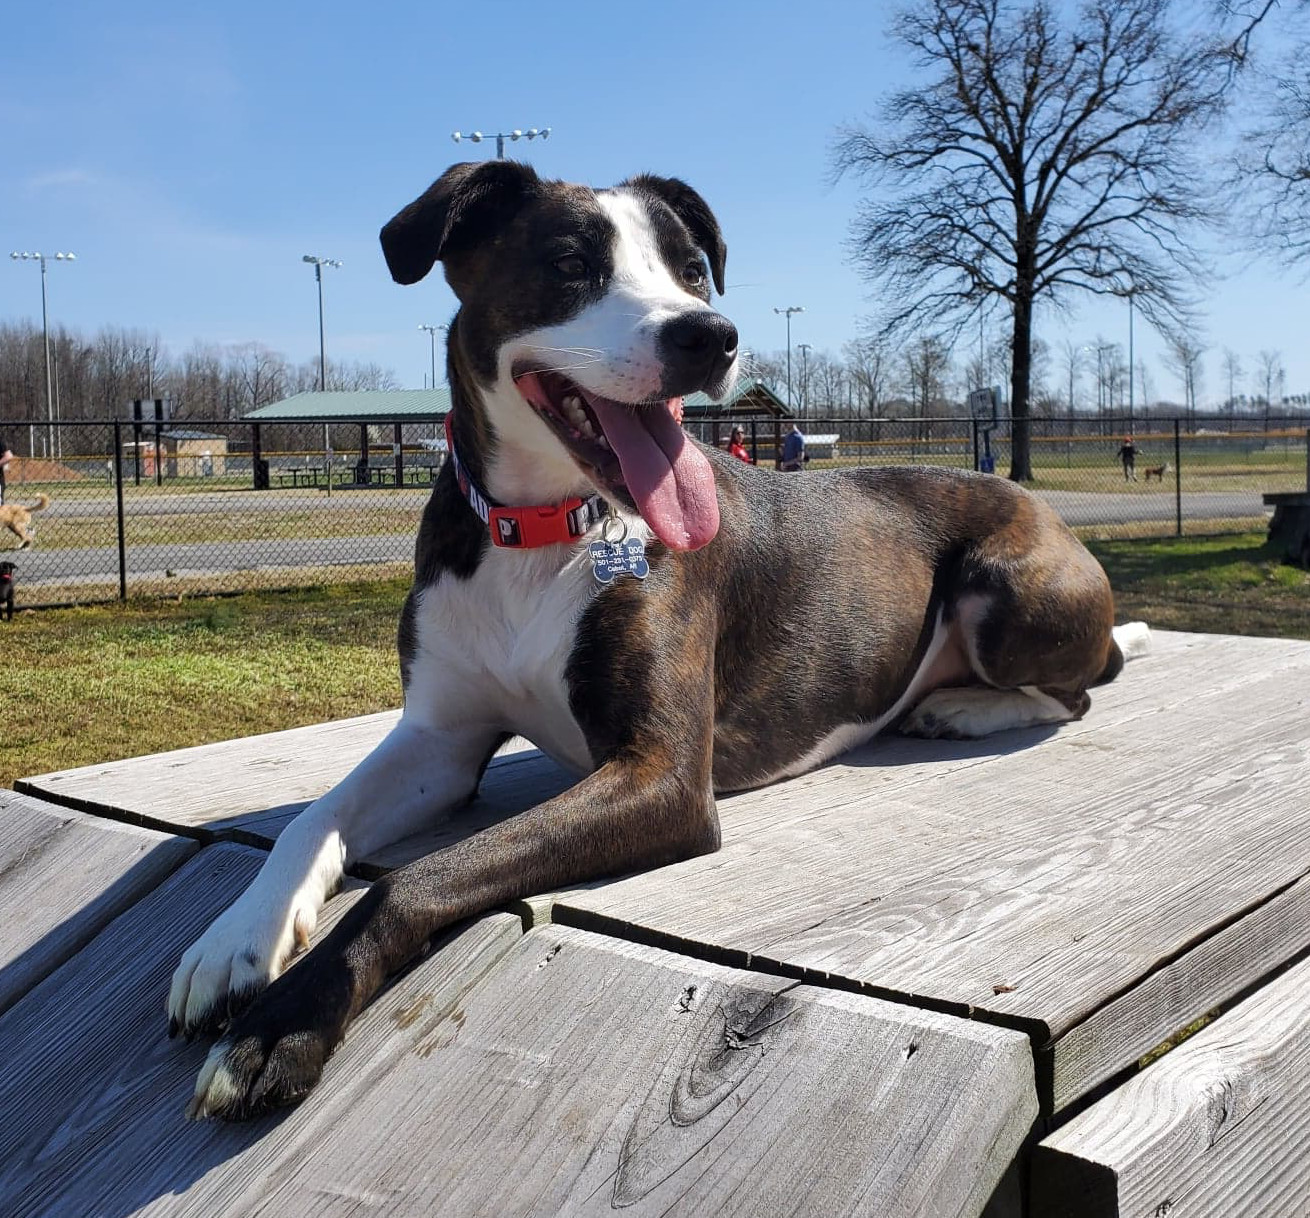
<point>588,430</point>
<point>604,443</point>
<point>572,402</point>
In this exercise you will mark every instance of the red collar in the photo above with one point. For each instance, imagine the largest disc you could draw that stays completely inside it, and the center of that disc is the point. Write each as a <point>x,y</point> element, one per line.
<point>525,528</point>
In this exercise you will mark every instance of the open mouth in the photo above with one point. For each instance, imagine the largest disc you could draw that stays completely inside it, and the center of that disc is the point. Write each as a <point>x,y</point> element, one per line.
<point>637,452</point>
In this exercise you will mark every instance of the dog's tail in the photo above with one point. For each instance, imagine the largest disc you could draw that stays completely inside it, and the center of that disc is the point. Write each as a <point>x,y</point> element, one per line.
<point>1133,639</point>
<point>1128,641</point>
<point>42,502</point>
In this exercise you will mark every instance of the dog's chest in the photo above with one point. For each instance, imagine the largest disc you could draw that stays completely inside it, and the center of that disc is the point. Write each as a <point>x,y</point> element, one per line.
<point>498,645</point>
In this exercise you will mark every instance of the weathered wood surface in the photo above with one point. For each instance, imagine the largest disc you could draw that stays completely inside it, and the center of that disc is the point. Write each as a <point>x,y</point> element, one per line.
<point>215,786</point>
<point>1097,886</point>
<point>1127,859</point>
<point>558,1073</point>
<point>93,1092</point>
<point>1214,1129</point>
<point>247,790</point>
<point>64,876</point>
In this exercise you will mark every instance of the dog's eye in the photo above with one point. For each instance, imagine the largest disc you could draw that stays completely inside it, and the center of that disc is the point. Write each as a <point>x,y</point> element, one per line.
<point>693,274</point>
<point>571,266</point>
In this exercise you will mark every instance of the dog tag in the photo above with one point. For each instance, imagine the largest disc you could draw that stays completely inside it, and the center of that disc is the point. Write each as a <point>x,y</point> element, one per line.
<point>610,559</point>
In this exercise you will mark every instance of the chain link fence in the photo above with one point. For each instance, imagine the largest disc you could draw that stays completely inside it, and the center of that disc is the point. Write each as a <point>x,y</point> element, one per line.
<point>211,507</point>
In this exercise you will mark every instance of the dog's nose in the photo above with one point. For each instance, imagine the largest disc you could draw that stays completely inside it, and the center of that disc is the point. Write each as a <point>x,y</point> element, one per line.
<point>697,349</point>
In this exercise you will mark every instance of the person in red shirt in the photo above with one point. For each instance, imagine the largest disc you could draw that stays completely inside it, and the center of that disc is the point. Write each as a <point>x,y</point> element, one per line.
<point>737,447</point>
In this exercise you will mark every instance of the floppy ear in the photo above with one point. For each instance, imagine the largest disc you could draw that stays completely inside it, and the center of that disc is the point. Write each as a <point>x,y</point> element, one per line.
<point>461,208</point>
<point>694,212</point>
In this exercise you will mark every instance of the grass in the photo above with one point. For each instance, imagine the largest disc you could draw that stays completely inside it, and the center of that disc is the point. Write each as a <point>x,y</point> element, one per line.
<point>1236,584</point>
<point>240,525</point>
<point>92,684</point>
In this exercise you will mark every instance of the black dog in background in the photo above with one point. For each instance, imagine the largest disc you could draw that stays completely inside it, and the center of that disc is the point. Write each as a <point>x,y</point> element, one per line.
<point>7,570</point>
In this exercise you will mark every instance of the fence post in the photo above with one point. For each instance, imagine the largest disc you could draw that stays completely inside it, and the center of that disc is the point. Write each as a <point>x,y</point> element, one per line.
<point>976,466</point>
<point>1307,460</point>
<point>118,490</point>
<point>1178,479</point>
<point>398,448</point>
<point>755,446</point>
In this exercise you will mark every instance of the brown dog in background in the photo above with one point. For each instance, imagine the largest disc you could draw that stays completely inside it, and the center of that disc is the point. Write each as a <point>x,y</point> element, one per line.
<point>1156,471</point>
<point>18,519</point>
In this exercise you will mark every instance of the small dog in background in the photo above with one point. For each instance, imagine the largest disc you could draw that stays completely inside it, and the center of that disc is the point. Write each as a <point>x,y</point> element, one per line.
<point>18,519</point>
<point>1156,471</point>
<point>7,570</point>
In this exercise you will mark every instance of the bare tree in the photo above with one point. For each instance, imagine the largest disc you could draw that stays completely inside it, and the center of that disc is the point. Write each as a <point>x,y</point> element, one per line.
<point>927,364</point>
<point>1036,160</point>
<point>1183,358</point>
<point>1073,358</point>
<point>868,363</point>
<point>1232,366</point>
<point>1272,376</point>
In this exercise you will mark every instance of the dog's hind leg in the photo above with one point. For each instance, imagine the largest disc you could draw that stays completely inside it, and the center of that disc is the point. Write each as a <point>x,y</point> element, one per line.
<point>976,710</point>
<point>412,777</point>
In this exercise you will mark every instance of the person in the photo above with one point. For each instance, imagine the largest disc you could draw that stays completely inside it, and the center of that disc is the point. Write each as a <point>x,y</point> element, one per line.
<point>1128,455</point>
<point>5,457</point>
<point>737,445</point>
<point>793,449</point>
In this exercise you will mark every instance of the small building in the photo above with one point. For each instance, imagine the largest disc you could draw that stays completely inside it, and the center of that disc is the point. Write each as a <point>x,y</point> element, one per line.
<point>193,454</point>
<point>181,454</point>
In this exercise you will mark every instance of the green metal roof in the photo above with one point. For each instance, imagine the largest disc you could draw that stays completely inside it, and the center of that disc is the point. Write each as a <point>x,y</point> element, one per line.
<point>360,404</point>
<point>757,394</point>
<point>434,403</point>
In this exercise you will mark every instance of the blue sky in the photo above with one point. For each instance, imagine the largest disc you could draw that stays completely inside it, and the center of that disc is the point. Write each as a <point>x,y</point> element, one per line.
<point>191,155</point>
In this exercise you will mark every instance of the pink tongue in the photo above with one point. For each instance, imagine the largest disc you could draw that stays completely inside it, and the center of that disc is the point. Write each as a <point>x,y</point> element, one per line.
<point>668,476</point>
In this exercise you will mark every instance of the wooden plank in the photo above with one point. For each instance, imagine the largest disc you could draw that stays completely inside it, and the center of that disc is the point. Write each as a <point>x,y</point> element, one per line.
<point>64,876</point>
<point>216,785</point>
<point>1037,884</point>
<point>577,1076</point>
<point>248,790</point>
<point>1215,1127</point>
<point>94,1092</point>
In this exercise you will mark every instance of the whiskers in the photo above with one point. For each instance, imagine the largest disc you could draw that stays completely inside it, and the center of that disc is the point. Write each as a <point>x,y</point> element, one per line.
<point>582,357</point>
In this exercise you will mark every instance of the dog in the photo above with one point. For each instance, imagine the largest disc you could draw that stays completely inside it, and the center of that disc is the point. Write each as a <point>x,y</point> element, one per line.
<point>584,571</point>
<point>7,570</point>
<point>1156,471</point>
<point>18,519</point>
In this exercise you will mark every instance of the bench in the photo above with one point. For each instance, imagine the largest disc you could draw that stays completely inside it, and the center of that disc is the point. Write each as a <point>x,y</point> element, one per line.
<point>1290,524</point>
<point>925,961</point>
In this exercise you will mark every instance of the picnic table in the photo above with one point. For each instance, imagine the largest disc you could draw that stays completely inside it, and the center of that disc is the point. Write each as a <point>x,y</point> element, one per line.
<point>920,980</point>
<point>310,475</point>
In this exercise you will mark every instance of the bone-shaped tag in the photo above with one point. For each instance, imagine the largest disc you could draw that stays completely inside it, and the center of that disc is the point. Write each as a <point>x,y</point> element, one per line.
<point>613,558</point>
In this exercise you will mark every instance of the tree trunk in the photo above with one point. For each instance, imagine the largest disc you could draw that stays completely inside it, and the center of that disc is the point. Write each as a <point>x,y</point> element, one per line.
<point>1021,467</point>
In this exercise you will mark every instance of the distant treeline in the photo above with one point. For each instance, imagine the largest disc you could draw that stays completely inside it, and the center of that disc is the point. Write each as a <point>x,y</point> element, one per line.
<point>96,378</point>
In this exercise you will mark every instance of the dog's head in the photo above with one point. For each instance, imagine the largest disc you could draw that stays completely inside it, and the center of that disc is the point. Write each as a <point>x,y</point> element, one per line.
<point>585,317</point>
<point>7,570</point>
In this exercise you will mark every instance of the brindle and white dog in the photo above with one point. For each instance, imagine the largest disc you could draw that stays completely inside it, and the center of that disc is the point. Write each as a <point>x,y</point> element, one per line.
<point>946,603</point>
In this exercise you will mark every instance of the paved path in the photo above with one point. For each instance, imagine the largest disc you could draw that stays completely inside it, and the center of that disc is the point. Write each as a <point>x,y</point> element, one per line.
<point>1097,507</point>
<point>99,564</point>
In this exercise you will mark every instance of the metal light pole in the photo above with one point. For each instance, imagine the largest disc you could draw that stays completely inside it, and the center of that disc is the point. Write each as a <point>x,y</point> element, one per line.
<point>804,349</point>
<point>432,334</point>
<point>318,265</point>
<point>500,137</point>
<point>26,256</point>
<point>1130,359</point>
<point>788,312</point>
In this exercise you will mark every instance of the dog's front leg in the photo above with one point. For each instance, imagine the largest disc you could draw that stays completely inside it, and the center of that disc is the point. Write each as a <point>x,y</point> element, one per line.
<point>414,775</point>
<point>631,814</point>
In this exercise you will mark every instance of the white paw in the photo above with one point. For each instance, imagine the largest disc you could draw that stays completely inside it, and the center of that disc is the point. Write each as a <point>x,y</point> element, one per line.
<point>244,950</point>
<point>973,712</point>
